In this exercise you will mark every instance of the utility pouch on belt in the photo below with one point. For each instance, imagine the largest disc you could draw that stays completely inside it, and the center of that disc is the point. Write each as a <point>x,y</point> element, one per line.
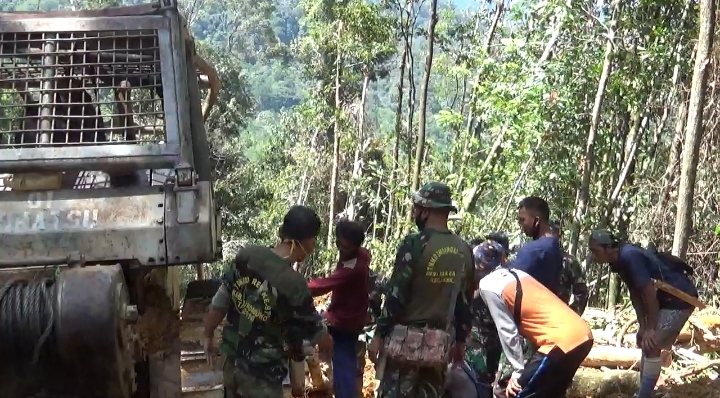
<point>423,346</point>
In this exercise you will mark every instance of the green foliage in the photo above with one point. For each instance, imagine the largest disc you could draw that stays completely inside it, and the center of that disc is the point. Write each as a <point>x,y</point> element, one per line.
<point>505,120</point>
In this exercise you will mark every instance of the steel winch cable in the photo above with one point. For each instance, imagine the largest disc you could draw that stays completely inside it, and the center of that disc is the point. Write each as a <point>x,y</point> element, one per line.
<point>28,347</point>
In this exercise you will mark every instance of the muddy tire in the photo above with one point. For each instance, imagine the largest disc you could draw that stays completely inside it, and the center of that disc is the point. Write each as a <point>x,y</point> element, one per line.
<point>164,371</point>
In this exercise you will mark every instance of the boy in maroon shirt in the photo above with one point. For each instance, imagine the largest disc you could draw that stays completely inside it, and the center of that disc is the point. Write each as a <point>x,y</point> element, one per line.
<point>348,309</point>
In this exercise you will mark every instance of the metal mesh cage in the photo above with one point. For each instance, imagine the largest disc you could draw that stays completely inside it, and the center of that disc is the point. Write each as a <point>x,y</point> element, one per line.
<point>80,88</point>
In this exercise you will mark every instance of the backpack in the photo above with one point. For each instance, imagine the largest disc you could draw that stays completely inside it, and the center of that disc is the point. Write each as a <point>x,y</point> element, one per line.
<point>673,262</point>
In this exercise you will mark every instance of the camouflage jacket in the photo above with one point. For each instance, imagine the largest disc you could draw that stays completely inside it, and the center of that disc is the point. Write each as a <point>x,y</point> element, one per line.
<point>397,291</point>
<point>572,282</point>
<point>270,314</point>
<point>483,336</point>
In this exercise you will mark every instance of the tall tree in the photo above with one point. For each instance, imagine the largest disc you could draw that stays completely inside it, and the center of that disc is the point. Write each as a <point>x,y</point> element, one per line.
<point>422,118</point>
<point>694,129</point>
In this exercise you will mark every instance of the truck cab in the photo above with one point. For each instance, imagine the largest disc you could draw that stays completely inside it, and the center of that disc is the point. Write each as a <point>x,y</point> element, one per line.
<point>105,188</point>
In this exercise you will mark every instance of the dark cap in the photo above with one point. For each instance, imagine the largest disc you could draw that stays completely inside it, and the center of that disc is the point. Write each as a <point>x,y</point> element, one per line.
<point>603,237</point>
<point>434,195</point>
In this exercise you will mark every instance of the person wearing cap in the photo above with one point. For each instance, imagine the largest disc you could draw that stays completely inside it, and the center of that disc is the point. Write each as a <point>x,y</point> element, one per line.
<point>661,316</point>
<point>488,256</point>
<point>482,353</point>
<point>572,278</point>
<point>522,307</point>
<point>419,292</point>
<point>270,313</point>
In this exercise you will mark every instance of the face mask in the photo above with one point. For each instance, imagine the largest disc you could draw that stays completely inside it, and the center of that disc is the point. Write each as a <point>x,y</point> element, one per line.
<point>304,254</point>
<point>419,222</point>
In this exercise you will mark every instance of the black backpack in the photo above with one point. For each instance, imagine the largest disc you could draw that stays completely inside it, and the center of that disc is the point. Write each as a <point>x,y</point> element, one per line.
<point>673,262</point>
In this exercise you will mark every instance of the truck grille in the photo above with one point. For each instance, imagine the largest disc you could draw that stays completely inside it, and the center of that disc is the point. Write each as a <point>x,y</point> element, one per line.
<point>80,88</point>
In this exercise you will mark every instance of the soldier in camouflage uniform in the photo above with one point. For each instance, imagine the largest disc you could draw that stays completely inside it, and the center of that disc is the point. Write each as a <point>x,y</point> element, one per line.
<point>269,309</point>
<point>418,293</point>
<point>572,278</point>
<point>484,349</point>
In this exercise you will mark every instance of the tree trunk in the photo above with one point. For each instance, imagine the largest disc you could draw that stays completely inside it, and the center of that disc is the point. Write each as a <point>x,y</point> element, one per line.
<point>336,141</point>
<point>614,357</point>
<point>693,129</point>
<point>669,177</point>
<point>601,384</point>
<point>583,196</point>
<point>420,144</point>
<point>357,161</point>
<point>378,206</point>
<point>396,147</point>
<point>465,156</point>
<point>200,271</point>
<point>412,91</point>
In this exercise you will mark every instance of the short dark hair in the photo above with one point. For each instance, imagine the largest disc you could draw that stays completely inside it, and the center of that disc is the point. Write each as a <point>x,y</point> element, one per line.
<point>300,223</point>
<point>536,205</point>
<point>351,231</point>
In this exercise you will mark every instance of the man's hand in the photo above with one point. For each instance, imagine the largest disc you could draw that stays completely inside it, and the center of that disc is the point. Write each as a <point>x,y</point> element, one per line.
<point>639,336</point>
<point>648,340</point>
<point>374,348</point>
<point>513,387</point>
<point>457,354</point>
<point>210,351</point>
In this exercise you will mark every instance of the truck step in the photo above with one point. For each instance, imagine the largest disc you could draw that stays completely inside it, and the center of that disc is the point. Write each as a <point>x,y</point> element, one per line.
<point>198,378</point>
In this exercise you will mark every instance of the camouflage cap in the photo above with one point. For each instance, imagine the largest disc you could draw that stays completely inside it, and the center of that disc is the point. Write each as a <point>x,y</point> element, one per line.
<point>434,195</point>
<point>489,254</point>
<point>603,237</point>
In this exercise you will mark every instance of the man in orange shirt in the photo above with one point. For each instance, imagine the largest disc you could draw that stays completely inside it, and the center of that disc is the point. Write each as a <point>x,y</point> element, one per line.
<point>522,307</point>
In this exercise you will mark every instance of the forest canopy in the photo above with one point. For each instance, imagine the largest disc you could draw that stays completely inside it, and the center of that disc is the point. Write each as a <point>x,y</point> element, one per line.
<point>347,106</point>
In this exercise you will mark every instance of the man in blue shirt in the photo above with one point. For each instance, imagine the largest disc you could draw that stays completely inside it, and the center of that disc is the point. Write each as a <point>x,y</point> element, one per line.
<point>661,316</point>
<point>542,258</point>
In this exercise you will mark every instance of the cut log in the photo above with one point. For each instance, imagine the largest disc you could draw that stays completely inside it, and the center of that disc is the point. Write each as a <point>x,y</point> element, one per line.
<point>600,384</point>
<point>602,336</point>
<point>613,357</point>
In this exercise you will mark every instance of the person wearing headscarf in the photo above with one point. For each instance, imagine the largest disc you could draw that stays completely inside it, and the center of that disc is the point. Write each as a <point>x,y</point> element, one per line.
<point>482,353</point>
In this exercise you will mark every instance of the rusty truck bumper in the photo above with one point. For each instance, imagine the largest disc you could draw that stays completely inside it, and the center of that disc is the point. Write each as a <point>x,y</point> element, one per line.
<point>152,225</point>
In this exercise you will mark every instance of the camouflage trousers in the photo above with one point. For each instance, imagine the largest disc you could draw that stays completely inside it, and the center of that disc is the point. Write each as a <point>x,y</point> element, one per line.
<point>505,369</point>
<point>402,381</point>
<point>239,384</point>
